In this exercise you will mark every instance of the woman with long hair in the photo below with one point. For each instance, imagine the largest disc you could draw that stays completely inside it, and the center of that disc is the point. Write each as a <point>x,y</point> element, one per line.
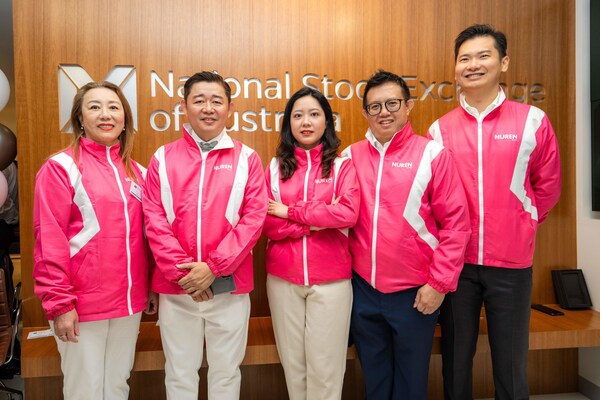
<point>314,199</point>
<point>90,258</point>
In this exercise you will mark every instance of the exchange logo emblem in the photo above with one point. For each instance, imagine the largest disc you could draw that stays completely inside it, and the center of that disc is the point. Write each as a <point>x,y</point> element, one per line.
<point>71,77</point>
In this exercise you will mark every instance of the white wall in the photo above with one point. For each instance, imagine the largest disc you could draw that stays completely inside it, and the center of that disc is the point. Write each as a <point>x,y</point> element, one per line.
<point>588,222</point>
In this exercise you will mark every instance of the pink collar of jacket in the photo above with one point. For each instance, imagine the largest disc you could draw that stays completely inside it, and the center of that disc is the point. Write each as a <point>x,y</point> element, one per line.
<point>302,154</point>
<point>397,141</point>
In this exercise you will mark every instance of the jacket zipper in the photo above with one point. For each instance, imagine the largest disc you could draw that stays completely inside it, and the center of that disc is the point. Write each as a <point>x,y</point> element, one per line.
<point>304,243</point>
<point>375,219</point>
<point>127,229</point>
<point>480,187</point>
<point>200,186</point>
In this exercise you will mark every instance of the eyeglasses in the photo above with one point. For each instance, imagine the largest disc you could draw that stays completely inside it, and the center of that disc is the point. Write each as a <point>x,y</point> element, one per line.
<point>392,105</point>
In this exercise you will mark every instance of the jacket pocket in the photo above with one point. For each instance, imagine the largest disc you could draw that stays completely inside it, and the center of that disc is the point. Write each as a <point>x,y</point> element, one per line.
<point>85,269</point>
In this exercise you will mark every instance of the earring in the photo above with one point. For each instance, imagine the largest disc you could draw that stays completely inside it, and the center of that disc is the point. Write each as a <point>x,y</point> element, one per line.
<point>123,129</point>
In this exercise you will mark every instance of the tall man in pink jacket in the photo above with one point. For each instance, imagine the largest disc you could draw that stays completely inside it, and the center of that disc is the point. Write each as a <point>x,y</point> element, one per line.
<point>507,157</point>
<point>205,203</point>
<point>407,246</point>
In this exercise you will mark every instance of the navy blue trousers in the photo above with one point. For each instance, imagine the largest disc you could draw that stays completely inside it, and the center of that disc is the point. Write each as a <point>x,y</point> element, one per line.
<point>393,341</point>
<point>506,296</point>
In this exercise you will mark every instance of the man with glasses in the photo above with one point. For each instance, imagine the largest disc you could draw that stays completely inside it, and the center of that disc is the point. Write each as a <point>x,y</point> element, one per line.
<point>407,246</point>
<point>507,156</point>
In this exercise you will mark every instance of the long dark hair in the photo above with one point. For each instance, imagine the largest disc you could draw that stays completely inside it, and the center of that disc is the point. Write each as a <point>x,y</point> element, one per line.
<point>331,142</point>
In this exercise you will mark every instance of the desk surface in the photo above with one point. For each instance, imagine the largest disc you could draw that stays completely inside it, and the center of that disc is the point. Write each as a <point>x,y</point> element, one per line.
<point>577,328</point>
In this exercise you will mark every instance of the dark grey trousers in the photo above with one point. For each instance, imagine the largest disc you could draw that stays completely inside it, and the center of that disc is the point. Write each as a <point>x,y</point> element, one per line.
<point>506,295</point>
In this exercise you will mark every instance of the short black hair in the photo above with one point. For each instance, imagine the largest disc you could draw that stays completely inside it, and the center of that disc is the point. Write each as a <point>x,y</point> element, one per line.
<point>379,78</point>
<point>481,30</point>
<point>206,76</point>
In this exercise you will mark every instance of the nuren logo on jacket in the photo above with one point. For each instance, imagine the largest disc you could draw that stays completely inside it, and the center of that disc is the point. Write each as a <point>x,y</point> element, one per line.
<point>71,77</point>
<point>397,164</point>
<point>506,136</point>
<point>323,180</point>
<point>223,166</point>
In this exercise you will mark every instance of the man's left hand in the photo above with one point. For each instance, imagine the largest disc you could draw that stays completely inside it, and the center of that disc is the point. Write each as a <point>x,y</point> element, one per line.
<point>428,299</point>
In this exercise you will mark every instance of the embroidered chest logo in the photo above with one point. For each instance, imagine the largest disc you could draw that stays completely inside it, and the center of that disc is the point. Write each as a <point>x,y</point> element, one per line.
<point>397,164</point>
<point>323,180</point>
<point>223,166</point>
<point>506,136</point>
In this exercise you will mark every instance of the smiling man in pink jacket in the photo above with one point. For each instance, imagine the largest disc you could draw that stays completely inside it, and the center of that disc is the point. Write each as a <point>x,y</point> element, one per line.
<point>205,203</point>
<point>407,246</point>
<point>507,156</point>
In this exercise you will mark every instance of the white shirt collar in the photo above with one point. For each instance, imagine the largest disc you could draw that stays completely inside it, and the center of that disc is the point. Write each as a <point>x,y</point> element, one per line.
<point>224,141</point>
<point>375,143</point>
<point>493,105</point>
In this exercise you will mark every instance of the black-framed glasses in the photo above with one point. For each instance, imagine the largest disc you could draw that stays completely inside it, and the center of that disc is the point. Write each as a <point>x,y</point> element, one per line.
<point>392,105</point>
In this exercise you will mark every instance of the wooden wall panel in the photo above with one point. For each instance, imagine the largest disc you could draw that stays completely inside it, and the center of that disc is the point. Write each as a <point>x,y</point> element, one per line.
<point>265,39</point>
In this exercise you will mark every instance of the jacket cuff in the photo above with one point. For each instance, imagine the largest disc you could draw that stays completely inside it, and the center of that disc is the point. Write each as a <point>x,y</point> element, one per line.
<point>60,311</point>
<point>292,213</point>
<point>181,273</point>
<point>437,286</point>
<point>307,230</point>
<point>213,267</point>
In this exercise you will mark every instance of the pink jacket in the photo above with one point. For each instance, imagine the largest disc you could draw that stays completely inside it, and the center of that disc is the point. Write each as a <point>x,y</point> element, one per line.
<point>413,224</point>
<point>294,253</point>
<point>90,251</point>
<point>509,164</point>
<point>204,207</point>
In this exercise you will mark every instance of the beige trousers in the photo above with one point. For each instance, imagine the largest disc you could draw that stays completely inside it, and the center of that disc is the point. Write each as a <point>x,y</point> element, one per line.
<point>311,325</point>
<point>185,324</point>
<point>98,366</point>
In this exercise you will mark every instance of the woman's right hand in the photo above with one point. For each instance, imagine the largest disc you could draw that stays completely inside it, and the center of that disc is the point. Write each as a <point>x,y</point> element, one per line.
<point>277,209</point>
<point>66,326</point>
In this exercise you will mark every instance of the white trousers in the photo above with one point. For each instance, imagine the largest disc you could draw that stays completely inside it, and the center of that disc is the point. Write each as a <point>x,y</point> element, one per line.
<point>311,325</point>
<point>185,324</point>
<point>98,366</point>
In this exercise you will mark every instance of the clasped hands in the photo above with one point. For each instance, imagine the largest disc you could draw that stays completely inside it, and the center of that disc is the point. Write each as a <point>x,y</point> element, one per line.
<point>197,282</point>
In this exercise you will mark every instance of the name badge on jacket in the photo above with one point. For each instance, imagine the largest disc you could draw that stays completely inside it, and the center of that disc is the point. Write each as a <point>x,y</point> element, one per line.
<point>136,191</point>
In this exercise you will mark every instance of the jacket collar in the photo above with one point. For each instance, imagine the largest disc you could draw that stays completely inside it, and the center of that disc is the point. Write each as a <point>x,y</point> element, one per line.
<point>302,155</point>
<point>493,105</point>
<point>98,149</point>
<point>224,140</point>
<point>397,140</point>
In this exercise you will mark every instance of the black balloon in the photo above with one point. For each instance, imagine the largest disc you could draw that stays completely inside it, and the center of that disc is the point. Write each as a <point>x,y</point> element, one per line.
<point>8,147</point>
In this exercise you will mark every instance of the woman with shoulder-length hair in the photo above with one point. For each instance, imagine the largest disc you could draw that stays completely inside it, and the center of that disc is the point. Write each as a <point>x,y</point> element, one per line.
<point>90,258</point>
<point>314,199</point>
